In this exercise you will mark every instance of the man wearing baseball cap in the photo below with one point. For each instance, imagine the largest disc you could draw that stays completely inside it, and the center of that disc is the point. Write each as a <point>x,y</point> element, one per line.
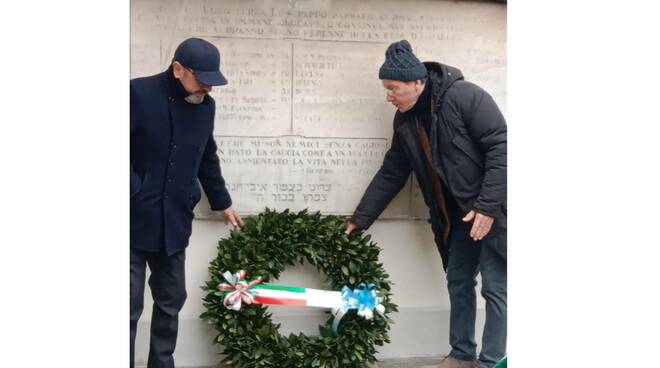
<point>172,152</point>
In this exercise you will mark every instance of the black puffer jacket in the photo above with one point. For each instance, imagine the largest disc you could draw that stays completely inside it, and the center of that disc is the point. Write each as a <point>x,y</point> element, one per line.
<point>468,143</point>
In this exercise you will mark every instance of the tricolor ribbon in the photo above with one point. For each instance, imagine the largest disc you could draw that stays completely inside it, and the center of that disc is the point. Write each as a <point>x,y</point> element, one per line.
<point>365,299</point>
<point>238,289</point>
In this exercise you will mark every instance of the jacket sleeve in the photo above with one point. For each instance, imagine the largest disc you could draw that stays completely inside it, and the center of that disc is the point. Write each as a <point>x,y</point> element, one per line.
<point>211,178</point>
<point>487,128</point>
<point>136,181</point>
<point>387,182</point>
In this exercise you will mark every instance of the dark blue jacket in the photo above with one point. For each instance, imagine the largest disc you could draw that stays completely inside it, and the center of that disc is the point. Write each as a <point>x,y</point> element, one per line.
<point>172,146</point>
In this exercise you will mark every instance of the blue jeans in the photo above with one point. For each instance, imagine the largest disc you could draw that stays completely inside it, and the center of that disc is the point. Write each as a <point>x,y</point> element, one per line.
<point>466,259</point>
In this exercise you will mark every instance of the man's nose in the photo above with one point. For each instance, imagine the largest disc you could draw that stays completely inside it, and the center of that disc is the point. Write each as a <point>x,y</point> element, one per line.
<point>207,89</point>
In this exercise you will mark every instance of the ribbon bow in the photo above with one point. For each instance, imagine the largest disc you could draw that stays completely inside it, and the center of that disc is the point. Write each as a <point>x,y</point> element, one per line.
<point>239,289</point>
<point>364,298</point>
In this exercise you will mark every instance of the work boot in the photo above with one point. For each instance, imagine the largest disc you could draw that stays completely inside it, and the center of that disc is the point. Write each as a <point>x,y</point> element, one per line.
<point>451,362</point>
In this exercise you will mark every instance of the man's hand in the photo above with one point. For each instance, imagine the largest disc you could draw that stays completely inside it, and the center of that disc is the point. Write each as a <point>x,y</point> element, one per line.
<point>350,227</point>
<point>230,215</point>
<point>481,225</point>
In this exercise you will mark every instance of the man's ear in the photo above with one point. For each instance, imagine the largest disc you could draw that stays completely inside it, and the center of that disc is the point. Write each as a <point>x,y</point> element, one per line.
<point>419,85</point>
<point>177,68</point>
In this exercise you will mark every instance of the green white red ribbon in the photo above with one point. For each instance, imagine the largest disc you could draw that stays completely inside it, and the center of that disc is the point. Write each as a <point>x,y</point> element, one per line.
<point>365,299</point>
<point>295,295</point>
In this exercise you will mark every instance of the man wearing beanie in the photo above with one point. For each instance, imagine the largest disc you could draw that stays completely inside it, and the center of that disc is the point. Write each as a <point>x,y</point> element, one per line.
<point>172,150</point>
<point>452,136</point>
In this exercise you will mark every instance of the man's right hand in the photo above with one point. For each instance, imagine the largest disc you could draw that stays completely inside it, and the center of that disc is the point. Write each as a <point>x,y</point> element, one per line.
<point>350,227</point>
<point>230,215</point>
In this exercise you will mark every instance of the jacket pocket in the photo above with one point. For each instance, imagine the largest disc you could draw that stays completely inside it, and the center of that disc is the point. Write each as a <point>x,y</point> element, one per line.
<point>195,194</point>
<point>143,183</point>
<point>464,168</point>
<point>467,147</point>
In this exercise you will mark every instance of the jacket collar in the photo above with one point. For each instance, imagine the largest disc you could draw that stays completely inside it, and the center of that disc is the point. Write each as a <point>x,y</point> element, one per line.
<point>423,104</point>
<point>442,76</point>
<point>174,86</point>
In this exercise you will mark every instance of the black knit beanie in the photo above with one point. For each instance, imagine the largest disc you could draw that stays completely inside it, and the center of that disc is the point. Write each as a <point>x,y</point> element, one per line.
<point>401,64</point>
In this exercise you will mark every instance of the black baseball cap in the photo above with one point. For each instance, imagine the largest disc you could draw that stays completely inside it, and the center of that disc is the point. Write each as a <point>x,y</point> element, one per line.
<point>203,58</point>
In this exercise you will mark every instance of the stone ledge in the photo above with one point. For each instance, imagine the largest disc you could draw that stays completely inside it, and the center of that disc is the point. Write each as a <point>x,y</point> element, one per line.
<point>416,362</point>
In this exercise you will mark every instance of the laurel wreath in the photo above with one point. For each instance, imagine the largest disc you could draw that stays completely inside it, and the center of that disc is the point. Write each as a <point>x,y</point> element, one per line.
<point>265,246</point>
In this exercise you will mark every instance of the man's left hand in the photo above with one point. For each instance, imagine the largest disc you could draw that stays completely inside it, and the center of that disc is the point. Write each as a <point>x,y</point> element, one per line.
<point>481,225</point>
<point>230,215</point>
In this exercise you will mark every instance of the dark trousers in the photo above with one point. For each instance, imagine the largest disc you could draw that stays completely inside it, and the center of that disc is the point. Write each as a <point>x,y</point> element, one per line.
<point>168,289</point>
<point>467,258</point>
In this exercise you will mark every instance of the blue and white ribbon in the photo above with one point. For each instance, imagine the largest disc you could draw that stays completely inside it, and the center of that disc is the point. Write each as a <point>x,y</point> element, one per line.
<point>364,298</point>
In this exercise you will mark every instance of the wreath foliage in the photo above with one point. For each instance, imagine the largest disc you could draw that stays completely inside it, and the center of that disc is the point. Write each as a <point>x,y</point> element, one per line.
<point>265,246</point>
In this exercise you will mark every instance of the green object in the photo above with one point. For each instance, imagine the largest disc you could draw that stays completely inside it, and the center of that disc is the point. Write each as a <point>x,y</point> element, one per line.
<point>501,363</point>
<point>265,246</point>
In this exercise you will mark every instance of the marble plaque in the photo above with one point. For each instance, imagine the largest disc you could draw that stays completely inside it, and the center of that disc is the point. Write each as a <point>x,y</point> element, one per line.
<point>303,122</point>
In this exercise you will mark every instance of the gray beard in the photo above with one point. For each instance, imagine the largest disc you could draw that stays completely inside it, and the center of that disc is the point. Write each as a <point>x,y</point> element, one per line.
<point>194,99</point>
